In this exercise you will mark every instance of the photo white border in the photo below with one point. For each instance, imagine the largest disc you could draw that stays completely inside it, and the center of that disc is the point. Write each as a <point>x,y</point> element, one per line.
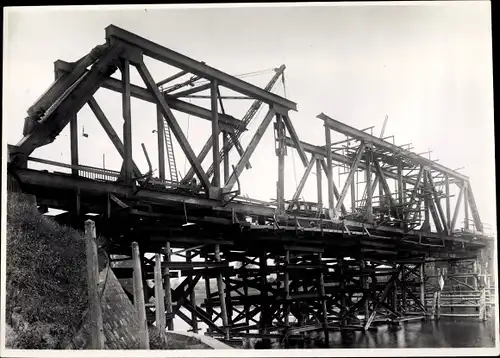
<point>348,352</point>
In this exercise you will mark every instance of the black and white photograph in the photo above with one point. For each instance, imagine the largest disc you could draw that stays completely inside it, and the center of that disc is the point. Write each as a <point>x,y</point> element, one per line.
<point>249,179</point>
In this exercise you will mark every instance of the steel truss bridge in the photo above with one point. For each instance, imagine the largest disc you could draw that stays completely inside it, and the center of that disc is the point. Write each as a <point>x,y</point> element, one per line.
<point>357,256</point>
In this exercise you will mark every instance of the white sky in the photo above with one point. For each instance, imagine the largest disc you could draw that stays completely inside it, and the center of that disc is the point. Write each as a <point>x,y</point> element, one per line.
<point>428,67</point>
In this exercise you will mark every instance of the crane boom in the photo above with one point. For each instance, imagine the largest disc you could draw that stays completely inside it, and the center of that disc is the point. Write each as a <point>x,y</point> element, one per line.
<point>247,118</point>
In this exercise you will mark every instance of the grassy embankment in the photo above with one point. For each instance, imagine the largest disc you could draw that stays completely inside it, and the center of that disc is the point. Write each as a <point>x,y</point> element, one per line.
<point>46,296</point>
<point>46,278</point>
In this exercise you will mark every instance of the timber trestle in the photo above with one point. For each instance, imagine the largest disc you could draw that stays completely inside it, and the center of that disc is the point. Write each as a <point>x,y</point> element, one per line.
<point>362,253</point>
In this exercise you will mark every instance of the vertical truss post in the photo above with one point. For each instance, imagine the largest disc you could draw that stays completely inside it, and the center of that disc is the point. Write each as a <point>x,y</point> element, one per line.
<point>369,209</point>
<point>159,298</point>
<point>447,192</point>
<point>73,127</point>
<point>225,145</point>
<point>127,125</point>
<point>473,207</point>
<point>215,133</point>
<point>400,186</point>
<point>414,192</point>
<point>192,295</point>
<point>319,185</point>
<point>172,123</point>
<point>168,287</point>
<point>250,149</point>
<point>108,128</point>
<point>222,295</point>
<point>139,298</point>
<point>329,171</point>
<point>280,152</point>
<point>466,206</point>
<point>427,204</point>
<point>160,131</point>
<point>302,182</point>
<point>350,178</point>
<point>457,207</point>
<point>353,193</point>
<point>382,202</point>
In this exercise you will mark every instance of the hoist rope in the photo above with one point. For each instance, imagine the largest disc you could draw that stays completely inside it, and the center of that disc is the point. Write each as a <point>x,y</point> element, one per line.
<point>202,81</point>
<point>293,152</point>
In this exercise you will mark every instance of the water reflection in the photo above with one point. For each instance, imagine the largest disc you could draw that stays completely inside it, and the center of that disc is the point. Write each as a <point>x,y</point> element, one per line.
<point>445,333</point>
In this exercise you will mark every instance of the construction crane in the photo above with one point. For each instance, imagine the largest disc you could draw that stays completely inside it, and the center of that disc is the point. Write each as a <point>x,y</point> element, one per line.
<point>247,118</point>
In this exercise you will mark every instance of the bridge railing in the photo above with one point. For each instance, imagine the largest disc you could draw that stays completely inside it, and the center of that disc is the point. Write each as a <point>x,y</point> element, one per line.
<point>83,171</point>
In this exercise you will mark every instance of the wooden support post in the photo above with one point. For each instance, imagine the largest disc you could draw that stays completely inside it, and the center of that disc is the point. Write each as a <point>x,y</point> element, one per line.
<point>434,305</point>
<point>215,133</point>
<point>364,285</point>
<point>222,295</point>
<point>208,301</point>
<point>475,274</point>
<point>168,287</point>
<point>78,205</point>
<point>229,303</point>
<point>286,305</point>
<point>127,125</point>
<point>395,296</point>
<point>342,287</point>
<point>264,318</point>
<point>422,284</point>
<point>160,129</point>
<point>139,298</point>
<point>225,145</point>
<point>97,333</point>
<point>159,298</point>
<point>482,304</point>
<point>403,289</point>
<point>192,295</point>
<point>438,304</point>
<point>329,171</point>
<point>246,306</point>
<point>280,152</point>
<point>323,301</point>
<point>73,127</point>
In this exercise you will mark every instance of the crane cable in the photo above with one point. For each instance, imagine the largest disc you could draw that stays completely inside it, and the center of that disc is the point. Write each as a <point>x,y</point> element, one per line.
<point>293,154</point>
